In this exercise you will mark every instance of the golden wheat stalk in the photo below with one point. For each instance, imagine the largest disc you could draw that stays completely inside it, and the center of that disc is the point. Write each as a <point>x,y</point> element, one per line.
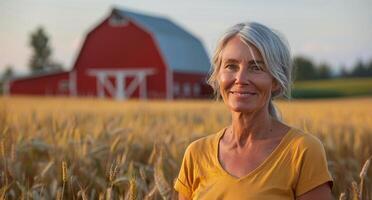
<point>132,193</point>
<point>2,148</point>
<point>151,194</point>
<point>143,173</point>
<point>59,195</point>
<point>46,168</point>
<point>365,167</point>
<point>109,194</point>
<point>363,175</point>
<point>342,196</point>
<point>101,196</point>
<point>3,191</point>
<point>160,181</point>
<point>82,194</point>
<point>153,155</point>
<point>3,155</point>
<point>115,143</point>
<point>143,176</point>
<point>355,190</point>
<point>64,177</point>
<point>113,173</point>
<point>64,171</point>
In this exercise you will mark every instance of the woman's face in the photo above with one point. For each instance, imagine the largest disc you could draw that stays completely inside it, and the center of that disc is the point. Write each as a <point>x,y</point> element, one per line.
<point>245,83</point>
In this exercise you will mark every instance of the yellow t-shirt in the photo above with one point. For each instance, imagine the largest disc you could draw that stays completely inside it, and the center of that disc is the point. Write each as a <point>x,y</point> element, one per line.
<point>297,165</point>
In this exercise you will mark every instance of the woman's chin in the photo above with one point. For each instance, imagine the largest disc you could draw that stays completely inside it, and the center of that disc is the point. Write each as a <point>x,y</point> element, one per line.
<point>242,108</point>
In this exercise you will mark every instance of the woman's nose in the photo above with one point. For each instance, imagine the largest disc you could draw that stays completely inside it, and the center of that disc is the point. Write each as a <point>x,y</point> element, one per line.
<point>242,76</point>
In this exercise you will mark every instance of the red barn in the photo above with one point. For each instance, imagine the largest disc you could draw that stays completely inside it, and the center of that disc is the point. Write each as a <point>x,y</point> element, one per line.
<point>129,55</point>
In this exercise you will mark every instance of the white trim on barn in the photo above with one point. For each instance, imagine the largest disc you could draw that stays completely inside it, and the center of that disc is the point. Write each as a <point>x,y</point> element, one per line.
<point>121,91</point>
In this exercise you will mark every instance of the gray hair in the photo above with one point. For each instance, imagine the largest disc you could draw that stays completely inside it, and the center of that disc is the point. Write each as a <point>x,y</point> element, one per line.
<point>274,49</point>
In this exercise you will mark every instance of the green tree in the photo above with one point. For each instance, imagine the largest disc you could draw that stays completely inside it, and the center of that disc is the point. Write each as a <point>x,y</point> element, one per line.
<point>304,69</point>
<point>5,76</point>
<point>40,60</point>
<point>41,50</point>
<point>360,69</point>
<point>324,71</point>
<point>369,68</point>
<point>344,72</point>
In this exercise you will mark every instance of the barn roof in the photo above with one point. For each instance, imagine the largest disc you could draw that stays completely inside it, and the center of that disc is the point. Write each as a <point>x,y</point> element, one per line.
<point>182,51</point>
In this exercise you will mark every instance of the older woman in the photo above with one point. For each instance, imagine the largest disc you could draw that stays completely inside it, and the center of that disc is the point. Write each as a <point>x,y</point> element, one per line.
<point>257,156</point>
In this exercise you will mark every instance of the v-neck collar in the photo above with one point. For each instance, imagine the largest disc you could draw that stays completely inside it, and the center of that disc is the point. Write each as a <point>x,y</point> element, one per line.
<point>272,155</point>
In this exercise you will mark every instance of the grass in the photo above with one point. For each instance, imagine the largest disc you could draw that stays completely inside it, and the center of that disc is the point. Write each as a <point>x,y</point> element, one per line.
<point>343,87</point>
<point>56,148</point>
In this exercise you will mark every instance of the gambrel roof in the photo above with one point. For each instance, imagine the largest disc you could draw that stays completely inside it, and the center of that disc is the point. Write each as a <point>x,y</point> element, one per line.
<point>182,52</point>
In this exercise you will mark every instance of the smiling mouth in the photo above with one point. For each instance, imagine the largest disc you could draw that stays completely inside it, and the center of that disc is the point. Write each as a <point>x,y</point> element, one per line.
<point>243,94</point>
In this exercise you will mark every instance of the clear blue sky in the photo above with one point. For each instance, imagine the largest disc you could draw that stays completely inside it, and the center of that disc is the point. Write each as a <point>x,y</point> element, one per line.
<point>338,32</point>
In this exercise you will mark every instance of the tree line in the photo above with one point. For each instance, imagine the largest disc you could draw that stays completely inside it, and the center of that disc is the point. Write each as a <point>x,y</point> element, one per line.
<point>305,69</point>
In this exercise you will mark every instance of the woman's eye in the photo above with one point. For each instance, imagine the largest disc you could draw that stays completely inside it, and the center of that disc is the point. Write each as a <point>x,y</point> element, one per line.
<point>231,66</point>
<point>256,68</point>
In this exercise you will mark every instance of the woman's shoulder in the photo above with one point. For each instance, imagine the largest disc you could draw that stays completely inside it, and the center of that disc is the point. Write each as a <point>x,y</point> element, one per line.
<point>304,140</point>
<point>204,144</point>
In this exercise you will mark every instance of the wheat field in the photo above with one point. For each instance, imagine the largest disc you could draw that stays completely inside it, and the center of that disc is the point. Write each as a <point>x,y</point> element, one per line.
<point>69,148</point>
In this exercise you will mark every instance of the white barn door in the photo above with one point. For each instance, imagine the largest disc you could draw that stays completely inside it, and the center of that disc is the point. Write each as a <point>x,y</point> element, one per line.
<point>122,90</point>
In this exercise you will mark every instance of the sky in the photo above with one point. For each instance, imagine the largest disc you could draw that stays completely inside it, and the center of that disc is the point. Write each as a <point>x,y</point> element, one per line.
<point>336,32</point>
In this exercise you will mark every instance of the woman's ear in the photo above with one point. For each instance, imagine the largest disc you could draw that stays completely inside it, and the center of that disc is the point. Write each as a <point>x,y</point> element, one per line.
<point>275,87</point>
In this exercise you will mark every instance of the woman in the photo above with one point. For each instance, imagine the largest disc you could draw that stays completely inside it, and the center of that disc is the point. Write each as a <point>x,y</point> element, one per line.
<point>257,156</point>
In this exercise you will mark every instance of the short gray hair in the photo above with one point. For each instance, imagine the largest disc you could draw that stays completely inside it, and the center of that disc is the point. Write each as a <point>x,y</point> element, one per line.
<point>274,49</point>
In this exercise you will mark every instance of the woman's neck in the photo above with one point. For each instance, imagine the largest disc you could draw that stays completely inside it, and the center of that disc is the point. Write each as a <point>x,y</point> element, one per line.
<point>247,128</point>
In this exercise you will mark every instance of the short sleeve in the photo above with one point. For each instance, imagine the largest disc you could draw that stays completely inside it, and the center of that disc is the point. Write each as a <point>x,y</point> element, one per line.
<point>184,180</point>
<point>313,170</point>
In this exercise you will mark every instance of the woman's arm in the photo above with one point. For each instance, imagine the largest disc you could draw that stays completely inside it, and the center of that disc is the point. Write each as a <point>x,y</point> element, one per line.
<point>322,192</point>
<point>181,197</point>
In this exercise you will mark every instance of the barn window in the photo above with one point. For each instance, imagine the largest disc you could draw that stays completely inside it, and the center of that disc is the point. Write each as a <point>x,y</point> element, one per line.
<point>176,89</point>
<point>196,89</point>
<point>117,20</point>
<point>186,89</point>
